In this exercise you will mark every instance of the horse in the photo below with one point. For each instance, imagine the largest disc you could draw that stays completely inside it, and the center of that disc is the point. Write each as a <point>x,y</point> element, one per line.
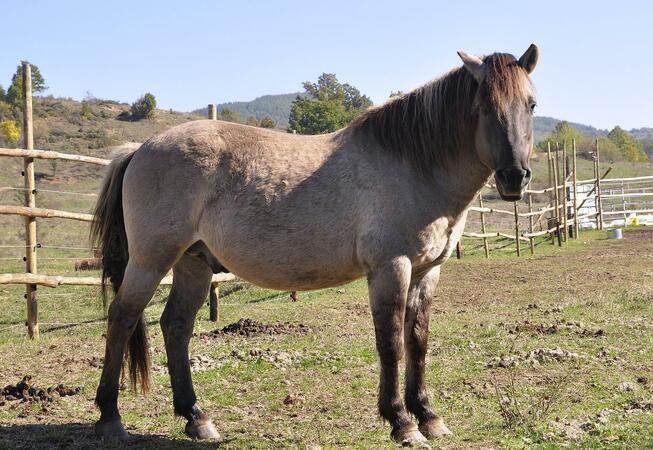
<point>385,198</point>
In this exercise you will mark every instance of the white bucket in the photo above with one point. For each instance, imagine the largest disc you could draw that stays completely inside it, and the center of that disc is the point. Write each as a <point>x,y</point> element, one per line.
<point>615,233</point>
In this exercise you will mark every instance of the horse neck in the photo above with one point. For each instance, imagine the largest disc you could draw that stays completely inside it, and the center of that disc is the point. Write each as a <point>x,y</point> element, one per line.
<point>461,179</point>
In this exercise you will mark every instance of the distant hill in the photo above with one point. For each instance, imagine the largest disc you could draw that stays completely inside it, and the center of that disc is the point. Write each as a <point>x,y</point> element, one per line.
<point>642,133</point>
<point>277,107</point>
<point>543,125</point>
<point>61,124</point>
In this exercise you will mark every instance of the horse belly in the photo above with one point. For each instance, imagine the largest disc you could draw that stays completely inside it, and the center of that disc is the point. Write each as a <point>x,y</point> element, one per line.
<point>284,253</point>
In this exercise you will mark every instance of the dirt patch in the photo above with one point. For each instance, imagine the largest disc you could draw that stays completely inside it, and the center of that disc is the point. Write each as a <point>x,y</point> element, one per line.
<point>533,358</point>
<point>554,327</point>
<point>251,327</point>
<point>294,399</point>
<point>552,310</point>
<point>26,390</point>
<point>278,359</point>
<point>575,430</point>
<point>202,363</point>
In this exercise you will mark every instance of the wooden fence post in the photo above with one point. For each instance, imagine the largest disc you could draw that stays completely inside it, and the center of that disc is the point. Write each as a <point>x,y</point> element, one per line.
<point>213,111</point>
<point>214,298</point>
<point>564,190</point>
<point>551,193</point>
<point>598,185</point>
<point>30,202</point>
<point>530,223</point>
<point>556,197</point>
<point>517,229</point>
<point>575,179</point>
<point>485,244</point>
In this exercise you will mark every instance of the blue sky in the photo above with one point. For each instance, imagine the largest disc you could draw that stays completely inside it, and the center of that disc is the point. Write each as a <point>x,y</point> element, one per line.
<point>595,67</point>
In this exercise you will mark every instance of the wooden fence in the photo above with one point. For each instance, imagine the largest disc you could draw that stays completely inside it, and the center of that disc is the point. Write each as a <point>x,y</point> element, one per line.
<point>570,204</point>
<point>31,278</point>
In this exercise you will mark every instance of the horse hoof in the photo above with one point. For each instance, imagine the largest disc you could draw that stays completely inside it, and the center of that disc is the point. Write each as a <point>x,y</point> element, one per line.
<point>111,430</point>
<point>410,436</point>
<point>435,428</point>
<point>201,429</point>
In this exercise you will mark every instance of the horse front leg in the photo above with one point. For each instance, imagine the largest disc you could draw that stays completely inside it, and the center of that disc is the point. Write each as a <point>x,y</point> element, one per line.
<point>416,332</point>
<point>191,282</point>
<point>388,287</point>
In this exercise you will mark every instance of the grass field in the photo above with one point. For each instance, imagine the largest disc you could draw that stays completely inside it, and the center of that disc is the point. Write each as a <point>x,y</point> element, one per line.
<point>592,299</point>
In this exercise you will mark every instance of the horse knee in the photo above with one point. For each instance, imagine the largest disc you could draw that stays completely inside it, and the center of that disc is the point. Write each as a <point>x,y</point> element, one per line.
<point>172,323</point>
<point>122,317</point>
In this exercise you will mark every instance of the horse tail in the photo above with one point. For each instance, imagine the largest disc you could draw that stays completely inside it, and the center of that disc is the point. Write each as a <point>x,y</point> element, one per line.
<point>108,232</point>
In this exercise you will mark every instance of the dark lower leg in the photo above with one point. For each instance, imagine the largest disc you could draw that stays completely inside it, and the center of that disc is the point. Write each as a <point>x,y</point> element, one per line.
<point>416,337</point>
<point>124,313</point>
<point>416,331</point>
<point>388,287</point>
<point>119,330</point>
<point>192,279</point>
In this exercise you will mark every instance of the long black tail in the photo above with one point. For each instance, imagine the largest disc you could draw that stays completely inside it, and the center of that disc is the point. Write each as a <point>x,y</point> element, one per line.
<point>108,232</point>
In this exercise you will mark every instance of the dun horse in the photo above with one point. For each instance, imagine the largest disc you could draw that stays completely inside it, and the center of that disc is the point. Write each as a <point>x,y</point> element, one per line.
<point>385,198</point>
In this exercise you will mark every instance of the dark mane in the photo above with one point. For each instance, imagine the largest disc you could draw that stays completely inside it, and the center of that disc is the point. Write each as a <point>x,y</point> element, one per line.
<point>430,124</point>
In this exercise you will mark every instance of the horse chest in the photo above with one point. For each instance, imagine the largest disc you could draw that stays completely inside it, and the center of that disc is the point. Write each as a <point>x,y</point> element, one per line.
<point>437,242</point>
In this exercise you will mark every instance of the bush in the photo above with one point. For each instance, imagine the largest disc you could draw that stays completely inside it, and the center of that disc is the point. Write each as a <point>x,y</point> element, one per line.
<point>144,107</point>
<point>10,131</point>
<point>267,122</point>
<point>86,111</point>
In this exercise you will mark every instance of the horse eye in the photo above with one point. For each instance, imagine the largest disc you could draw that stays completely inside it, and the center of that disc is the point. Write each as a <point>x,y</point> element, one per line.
<point>532,106</point>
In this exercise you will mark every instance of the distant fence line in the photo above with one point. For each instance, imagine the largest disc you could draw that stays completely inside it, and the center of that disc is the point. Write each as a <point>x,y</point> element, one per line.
<point>572,204</point>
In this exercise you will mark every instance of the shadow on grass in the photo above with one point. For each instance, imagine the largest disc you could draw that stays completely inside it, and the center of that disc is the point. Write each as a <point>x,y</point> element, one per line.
<point>82,436</point>
<point>65,326</point>
<point>269,297</point>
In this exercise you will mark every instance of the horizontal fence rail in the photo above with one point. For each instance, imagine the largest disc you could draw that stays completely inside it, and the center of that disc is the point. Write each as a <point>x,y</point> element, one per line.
<point>57,280</point>
<point>48,154</point>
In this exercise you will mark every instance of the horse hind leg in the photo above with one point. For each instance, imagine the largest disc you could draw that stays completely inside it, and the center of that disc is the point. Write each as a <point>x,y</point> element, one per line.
<point>191,282</point>
<point>416,330</point>
<point>125,312</point>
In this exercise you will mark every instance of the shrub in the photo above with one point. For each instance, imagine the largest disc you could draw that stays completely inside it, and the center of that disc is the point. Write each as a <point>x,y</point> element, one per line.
<point>10,131</point>
<point>267,122</point>
<point>144,107</point>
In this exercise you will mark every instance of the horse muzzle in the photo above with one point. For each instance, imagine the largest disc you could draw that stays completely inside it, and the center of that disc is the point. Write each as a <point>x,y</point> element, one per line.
<point>512,182</point>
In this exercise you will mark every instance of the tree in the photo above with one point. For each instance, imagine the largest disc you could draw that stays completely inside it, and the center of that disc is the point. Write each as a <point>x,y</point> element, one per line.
<point>3,94</point>
<point>647,146</point>
<point>562,133</point>
<point>630,148</point>
<point>267,122</point>
<point>14,94</point>
<point>10,131</point>
<point>144,107</point>
<point>328,106</point>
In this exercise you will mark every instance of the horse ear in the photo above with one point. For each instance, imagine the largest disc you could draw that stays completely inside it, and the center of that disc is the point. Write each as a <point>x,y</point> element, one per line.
<point>529,59</point>
<point>474,65</point>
